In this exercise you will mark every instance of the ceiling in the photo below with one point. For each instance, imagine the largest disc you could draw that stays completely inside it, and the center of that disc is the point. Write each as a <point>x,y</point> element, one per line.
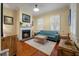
<point>44,7</point>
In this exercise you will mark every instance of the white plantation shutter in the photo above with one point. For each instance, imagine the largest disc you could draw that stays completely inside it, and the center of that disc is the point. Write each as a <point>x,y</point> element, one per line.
<point>55,23</point>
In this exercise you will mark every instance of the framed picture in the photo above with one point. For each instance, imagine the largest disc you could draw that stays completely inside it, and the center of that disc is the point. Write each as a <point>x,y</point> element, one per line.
<point>25,18</point>
<point>69,17</point>
<point>8,20</point>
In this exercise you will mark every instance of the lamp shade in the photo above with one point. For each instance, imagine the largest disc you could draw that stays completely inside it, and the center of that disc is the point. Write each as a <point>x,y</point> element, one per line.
<point>36,9</point>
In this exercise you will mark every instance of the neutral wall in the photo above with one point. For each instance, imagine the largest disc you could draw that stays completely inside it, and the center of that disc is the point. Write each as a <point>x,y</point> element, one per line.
<point>63,12</point>
<point>9,29</point>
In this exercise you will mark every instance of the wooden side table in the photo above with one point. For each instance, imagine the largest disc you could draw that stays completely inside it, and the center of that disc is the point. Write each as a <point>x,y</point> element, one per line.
<point>67,50</point>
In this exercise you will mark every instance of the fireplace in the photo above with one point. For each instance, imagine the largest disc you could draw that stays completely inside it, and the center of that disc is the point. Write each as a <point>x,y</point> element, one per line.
<point>25,34</point>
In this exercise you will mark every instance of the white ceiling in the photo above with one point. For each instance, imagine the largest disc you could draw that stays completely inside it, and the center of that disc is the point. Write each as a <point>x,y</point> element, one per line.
<point>44,7</point>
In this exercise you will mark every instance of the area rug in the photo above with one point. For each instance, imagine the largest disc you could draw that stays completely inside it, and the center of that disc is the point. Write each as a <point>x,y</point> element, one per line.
<point>46,48</point>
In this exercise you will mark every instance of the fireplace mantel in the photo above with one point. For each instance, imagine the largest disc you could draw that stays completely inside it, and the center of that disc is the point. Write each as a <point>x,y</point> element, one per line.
<point>25,28</point>
<point>21,29</point>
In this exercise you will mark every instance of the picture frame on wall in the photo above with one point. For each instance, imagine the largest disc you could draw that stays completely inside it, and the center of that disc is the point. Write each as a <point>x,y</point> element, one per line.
<point>25,18</point>
<point>8,20</point>
<point>69,17</point>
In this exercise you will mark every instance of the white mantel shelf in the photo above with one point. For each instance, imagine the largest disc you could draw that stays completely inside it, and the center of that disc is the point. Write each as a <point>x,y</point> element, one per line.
<point>26,28</point>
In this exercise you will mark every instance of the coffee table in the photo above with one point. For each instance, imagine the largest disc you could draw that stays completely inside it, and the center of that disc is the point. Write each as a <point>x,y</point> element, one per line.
<point>40,39</point>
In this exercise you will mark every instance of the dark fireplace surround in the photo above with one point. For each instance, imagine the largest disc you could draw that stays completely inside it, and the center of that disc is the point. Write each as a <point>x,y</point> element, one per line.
<point>25,34</point>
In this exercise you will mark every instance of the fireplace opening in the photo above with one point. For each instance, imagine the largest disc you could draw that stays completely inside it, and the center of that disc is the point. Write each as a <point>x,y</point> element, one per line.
<point>25,34</point>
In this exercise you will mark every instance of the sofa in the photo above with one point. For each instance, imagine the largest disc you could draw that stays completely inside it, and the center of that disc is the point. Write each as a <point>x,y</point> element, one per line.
<point>52,35</point>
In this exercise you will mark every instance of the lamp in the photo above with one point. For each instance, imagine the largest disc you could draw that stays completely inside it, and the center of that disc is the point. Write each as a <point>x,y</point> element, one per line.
<point>36,9</point>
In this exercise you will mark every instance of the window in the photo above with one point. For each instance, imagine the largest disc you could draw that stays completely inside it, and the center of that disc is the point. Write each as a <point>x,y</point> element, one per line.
<point>55,23</point>
<point>40,24</point>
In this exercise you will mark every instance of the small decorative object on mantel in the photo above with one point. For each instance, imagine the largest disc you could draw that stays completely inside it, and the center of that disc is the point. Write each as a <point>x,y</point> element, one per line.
<point>24,25</point>
<point>21,23</point>
<point>8,20</point>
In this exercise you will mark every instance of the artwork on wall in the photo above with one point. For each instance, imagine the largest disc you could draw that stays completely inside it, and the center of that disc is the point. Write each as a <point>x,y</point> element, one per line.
<point>69,17</point>
<point>25,18</point>
<point>8,20</point>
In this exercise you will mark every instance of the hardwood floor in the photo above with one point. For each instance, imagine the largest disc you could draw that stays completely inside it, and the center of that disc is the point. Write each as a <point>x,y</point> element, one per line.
<point>24,49</point>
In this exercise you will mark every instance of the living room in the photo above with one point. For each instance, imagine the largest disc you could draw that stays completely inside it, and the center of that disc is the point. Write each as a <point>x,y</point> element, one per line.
<point>43,31</point>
